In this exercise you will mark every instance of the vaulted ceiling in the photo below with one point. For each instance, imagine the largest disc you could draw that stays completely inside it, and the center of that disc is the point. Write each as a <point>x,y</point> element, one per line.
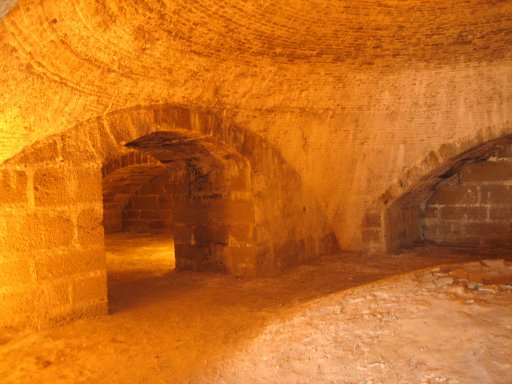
<point>359,32</point>
<point>63,62</point>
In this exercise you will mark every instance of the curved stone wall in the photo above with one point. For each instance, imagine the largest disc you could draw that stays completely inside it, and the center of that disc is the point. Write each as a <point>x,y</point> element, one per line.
<point>352,100</point>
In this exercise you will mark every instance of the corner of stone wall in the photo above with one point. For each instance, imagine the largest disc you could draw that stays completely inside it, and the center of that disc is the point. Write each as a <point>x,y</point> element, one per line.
<point>51,239</point>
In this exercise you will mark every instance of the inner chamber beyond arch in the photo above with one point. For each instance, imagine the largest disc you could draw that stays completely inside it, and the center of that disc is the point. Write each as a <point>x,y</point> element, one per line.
<point>189,186</point>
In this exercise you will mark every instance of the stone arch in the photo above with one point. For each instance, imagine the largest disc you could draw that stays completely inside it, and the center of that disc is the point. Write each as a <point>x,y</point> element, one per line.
<point>123,179</point>
<point>51,209</point>
<point>208,191</point>
<point>393,220</point>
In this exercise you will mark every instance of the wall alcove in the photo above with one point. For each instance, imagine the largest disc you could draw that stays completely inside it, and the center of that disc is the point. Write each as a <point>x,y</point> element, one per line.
<point>467,201</point>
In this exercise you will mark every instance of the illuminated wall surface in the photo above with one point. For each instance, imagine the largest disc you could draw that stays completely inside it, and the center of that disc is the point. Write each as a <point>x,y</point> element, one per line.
<point>297,127</point>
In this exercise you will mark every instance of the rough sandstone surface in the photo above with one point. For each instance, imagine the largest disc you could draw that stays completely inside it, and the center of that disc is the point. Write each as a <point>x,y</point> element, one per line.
<point>333,110</point>
<point>306,325</point>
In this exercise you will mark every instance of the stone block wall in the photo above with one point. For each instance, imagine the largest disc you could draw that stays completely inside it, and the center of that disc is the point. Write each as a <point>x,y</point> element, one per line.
<point>149,210</point>
<point>405,221</point>
<point>52,256</point>
<point>205,199</point>
<point>123,177</point>
<point>474,206</point>
<point>213,218</point>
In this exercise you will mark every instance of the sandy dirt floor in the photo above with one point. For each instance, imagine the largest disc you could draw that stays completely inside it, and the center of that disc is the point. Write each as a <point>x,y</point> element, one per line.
<point>348,318</point>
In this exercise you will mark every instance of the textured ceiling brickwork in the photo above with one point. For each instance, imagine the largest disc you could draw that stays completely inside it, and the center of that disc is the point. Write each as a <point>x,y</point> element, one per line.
<point>361,32</point>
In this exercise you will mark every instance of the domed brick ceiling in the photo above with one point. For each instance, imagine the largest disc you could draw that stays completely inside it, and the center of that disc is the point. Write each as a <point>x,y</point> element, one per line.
<point>355,32</point>
<point>123,53</point>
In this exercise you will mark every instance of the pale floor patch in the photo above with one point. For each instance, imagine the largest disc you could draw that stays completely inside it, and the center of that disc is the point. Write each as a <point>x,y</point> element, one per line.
<point>349,318</point>
<point>133,255</point>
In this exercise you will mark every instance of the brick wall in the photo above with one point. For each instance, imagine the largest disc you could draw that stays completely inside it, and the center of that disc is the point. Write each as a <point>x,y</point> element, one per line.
<point>149,210</point>
<point>474,206</point>
<point>214,220</point>
<point>52,257</point>
<point>122,178</point>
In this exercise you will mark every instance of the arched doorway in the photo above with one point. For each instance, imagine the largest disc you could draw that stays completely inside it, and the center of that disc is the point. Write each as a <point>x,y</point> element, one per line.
<point>188,193</point>
<point>137,217</point>
<point>466,201</point>
<point>241,208</point>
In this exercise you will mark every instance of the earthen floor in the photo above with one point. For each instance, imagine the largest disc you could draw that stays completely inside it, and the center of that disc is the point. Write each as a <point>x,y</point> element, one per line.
<point>348,318</point>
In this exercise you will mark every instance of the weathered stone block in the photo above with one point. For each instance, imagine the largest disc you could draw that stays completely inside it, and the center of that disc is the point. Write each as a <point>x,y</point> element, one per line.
<point>200,257</point>
<point>53,265</point>
<point>52,298</point>
<point>490,233</point>
<point>454,194</point>
<point>191,211</point>
<point>87,309</point>
<point>464,213</point>
<point>443,232</point>
<point>53,186</point>
<point>88,184</point>
<point>241,261</point>
<point>76,149</point>
<point>173,116</point>
<point>32,231</point>
<point>13,187</point>
<point>231,211</point>
<point>496,194</point>
<point>211,233</point>
<point>487,171</point>
<point>17,272</point>
<point>89,289</point>
<point>14,304</point>
<point>182,233</point>
<point>500,213</point>
<point>34,306</point>
<point>431,212</point>
<point>90,227</point>
<point>241,233</point>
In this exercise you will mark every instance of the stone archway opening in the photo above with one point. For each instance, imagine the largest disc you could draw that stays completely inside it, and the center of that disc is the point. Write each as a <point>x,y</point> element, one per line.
<point>174,202</point>
<point>466,202</point>
<point>237,207</point>
<point>213,216</point>
<point>137,217</point>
